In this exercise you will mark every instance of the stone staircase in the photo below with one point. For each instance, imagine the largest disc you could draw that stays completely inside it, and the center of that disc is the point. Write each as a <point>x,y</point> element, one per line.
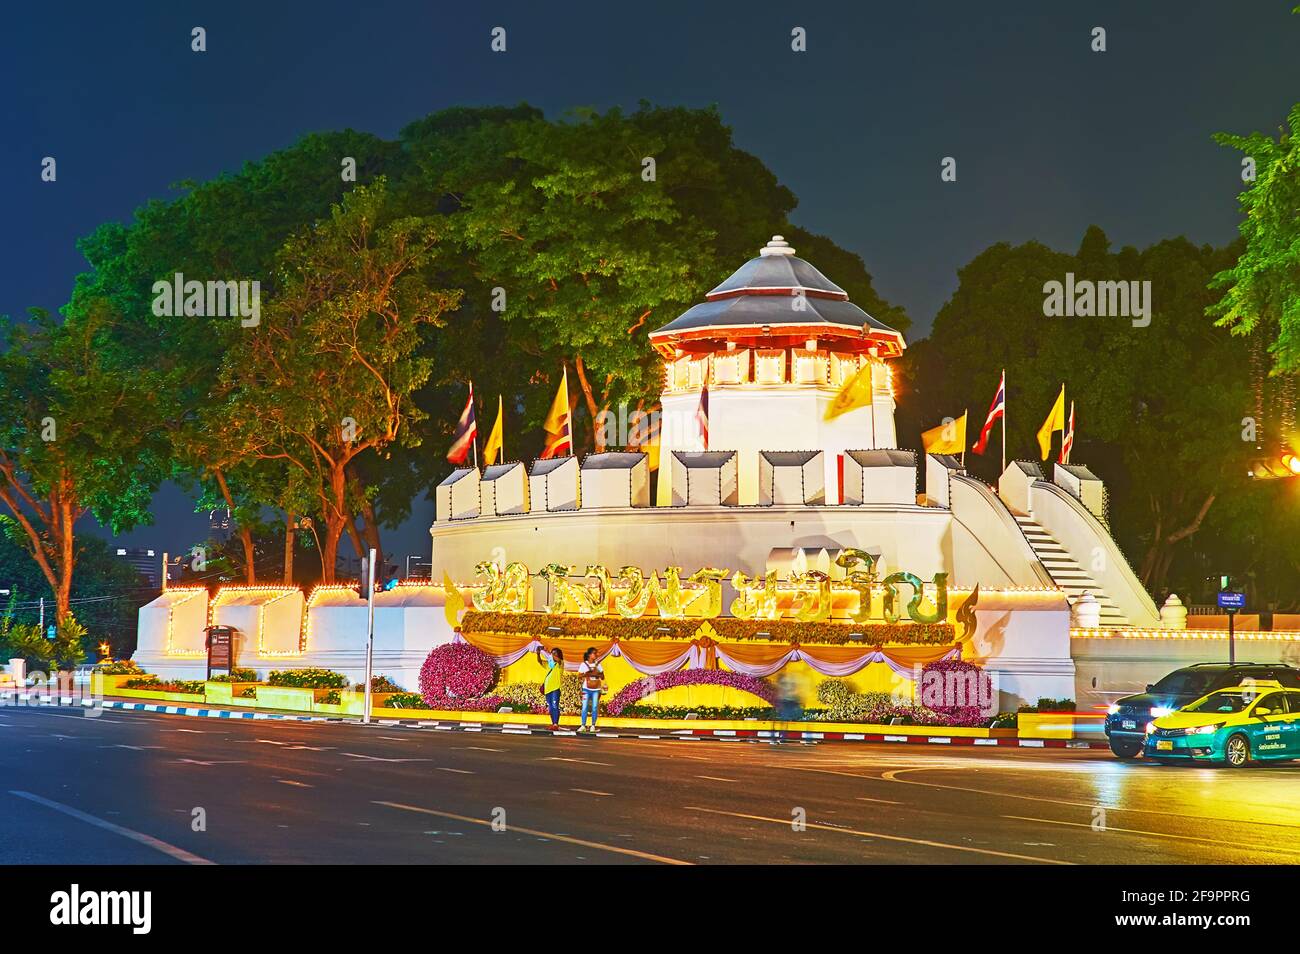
<point>1067,572</point>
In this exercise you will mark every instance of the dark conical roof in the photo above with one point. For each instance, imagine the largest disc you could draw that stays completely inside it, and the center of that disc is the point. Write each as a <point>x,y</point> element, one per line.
<point>776,289</point>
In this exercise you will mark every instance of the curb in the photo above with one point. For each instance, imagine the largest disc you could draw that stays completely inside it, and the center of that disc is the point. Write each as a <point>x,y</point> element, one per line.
<point>518,728</point>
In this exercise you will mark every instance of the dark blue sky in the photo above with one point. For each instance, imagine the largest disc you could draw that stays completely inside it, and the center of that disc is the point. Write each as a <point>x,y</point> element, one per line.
<point>1048,135</point>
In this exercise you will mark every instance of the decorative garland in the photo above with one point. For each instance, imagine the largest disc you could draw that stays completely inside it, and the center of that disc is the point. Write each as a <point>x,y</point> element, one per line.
<point>633,692</point>
<point>727,628</point>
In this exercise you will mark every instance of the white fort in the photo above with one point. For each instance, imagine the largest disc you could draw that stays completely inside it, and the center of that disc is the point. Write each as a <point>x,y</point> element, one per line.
<point>778,487</point>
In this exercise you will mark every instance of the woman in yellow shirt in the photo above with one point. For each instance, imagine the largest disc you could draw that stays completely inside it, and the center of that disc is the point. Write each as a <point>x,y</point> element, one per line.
<point>554,664</point>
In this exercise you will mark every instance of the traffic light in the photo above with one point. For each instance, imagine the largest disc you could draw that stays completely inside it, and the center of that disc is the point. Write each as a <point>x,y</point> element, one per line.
<point>1286,464</point>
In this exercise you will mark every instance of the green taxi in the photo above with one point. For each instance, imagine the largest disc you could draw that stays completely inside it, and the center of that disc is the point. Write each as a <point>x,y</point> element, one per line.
<point>1255,721</point>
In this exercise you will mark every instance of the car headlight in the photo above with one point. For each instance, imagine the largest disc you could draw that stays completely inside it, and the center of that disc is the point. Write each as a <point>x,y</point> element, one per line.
<point>1151,727</point>
<point>1159,712</point>
<point>1113,710</point>
<point>1203,729</point>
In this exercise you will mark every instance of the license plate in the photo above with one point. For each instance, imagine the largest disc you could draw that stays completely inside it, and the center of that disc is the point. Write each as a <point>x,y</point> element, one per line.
<point>1164,746</point>
<point>1128,724</point>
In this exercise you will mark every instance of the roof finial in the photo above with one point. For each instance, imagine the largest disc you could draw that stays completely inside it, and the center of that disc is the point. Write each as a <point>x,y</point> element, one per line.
<point>778,246</point>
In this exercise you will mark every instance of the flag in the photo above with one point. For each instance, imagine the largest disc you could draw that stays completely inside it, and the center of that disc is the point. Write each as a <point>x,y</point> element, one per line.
<point>494,444</point>
<point>996,410</point>
<point>644,434</point>
<point>949,438</point>
<point>855,393</point>
<point>1055,422</point>
<point>702,415</point>
<point>466,432</point>
<point>558,424</point>
<point>1067,442</point>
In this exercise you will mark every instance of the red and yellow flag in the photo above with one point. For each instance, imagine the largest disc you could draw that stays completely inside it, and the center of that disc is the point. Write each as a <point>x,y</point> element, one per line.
<point>559,424</point>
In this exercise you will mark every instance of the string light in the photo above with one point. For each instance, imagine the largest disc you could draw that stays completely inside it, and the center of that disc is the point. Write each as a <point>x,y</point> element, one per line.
<point>278,592</point>
<point>190,593</point>
<point>1252,635</point>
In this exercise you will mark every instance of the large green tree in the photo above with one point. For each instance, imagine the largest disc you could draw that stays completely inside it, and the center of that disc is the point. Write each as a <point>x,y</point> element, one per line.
<point>1159,407</point>
<point>72,406</point>
<point>330,372</point>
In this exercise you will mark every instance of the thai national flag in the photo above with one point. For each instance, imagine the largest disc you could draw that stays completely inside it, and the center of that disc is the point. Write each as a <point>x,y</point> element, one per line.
<point>996,410</point>
<point>466,431</point>
<point>1067,442</point>
<point>702,415</point>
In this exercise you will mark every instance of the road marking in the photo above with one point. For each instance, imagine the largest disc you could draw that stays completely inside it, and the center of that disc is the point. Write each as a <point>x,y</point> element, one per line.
<point>592,791</point>
<point>556,758</point>
<point>883,801</point>
<point>872,834</point>
<point>310,748</point>
<point>1158,834</point>
<point>191,731</point>
<point>476,748</point>
<point>133,748</point>
<point>714,778</point>
<point>289,781</point>
<point>219,762</point>
<point>444,768</point>
<point>376,758</point>
<point>568,839</point>
<point>892,776</point>
<point>180,854</point>
<point>396,738</point>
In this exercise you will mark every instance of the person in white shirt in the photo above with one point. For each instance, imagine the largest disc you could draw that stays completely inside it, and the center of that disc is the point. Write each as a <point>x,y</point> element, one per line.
<point>593,682</point>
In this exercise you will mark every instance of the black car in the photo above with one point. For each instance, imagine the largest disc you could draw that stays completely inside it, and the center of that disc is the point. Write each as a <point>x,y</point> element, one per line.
<point>1126,722</point>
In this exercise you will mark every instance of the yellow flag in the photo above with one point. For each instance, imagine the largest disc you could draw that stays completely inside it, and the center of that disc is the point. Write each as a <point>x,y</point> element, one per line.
<point>558,423</point>
<point>1055,422</point>
<point>855,393</point>
<point>947,438</point>
<point>494,444</point>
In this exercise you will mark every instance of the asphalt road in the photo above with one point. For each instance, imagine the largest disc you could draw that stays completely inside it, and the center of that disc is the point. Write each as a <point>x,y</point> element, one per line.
<point>132,788</point>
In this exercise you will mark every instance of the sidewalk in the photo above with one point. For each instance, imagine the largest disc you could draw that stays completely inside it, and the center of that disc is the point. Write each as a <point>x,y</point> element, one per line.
<point>683,730</point>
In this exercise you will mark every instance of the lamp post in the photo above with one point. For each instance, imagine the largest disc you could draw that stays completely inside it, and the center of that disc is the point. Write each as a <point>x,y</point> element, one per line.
<point>369,573</point>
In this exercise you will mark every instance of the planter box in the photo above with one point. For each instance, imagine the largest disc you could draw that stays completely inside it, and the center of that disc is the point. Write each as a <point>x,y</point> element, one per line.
<point>285,697</point>
<point>353,702</point>
<point>1046,725</point>
<point>227,693</point>
<point>158,695</point>
<point>101,684</point>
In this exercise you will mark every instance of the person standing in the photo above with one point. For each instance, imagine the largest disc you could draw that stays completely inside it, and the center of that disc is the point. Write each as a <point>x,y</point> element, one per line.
<point>593,683</point>
<point>553,682</point>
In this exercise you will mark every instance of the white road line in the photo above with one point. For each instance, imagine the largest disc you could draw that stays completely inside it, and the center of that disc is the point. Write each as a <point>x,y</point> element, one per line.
<point>714,778</point>
<point>444,768</point>
<point>556,758</point>
<point>376,758</point>
<point>590,791</point>
<point>180,854</point>
<point>289,781</point>
<point>883,801</point>
<point>476,748</point>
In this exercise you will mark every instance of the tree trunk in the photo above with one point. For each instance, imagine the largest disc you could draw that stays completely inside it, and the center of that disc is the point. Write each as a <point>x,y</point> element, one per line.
<point>589,398</point>
<point>289,539</point>
<point>370,528</point>
<point>245,534</point>
<point>67,558</point>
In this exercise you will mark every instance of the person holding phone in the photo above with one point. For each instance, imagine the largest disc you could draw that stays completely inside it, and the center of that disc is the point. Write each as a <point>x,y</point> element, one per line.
<point>593,683</point>
<point>554,681</point>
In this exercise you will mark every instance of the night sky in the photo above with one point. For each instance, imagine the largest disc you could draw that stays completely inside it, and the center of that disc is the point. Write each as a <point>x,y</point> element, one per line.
<point>1049,136</point>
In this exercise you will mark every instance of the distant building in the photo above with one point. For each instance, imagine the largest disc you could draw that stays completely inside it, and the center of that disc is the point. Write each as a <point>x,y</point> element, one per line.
<point>146,561</point>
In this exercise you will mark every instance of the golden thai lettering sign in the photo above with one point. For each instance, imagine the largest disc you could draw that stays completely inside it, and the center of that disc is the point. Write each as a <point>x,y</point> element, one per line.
<point>807,596</point>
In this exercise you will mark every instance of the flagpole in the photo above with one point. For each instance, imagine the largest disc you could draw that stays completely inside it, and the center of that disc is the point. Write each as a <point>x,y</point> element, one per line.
<point>965,422</point>
<point>475,414</point>
<point>503,430</point>
<point>1004,420</point>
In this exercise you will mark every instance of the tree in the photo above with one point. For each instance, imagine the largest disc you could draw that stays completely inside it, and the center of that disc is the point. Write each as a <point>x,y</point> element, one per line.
<point>329,373</point>
<point>71,440</point>
<point>1159,407</point>
<point>1262,287</point>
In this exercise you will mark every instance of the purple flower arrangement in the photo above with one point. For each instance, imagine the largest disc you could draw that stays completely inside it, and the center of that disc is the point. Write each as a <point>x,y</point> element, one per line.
<point>458,676</point>
<point>635,691</point>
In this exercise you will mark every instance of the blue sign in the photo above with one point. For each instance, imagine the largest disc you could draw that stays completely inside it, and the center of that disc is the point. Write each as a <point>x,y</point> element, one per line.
<point>1232,601</point>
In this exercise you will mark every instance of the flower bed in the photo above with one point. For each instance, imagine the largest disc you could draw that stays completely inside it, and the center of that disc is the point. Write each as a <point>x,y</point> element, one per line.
<point>308,679</point>
<point>457,676</point>
<point>154,684</point>
<point>635,691</point>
